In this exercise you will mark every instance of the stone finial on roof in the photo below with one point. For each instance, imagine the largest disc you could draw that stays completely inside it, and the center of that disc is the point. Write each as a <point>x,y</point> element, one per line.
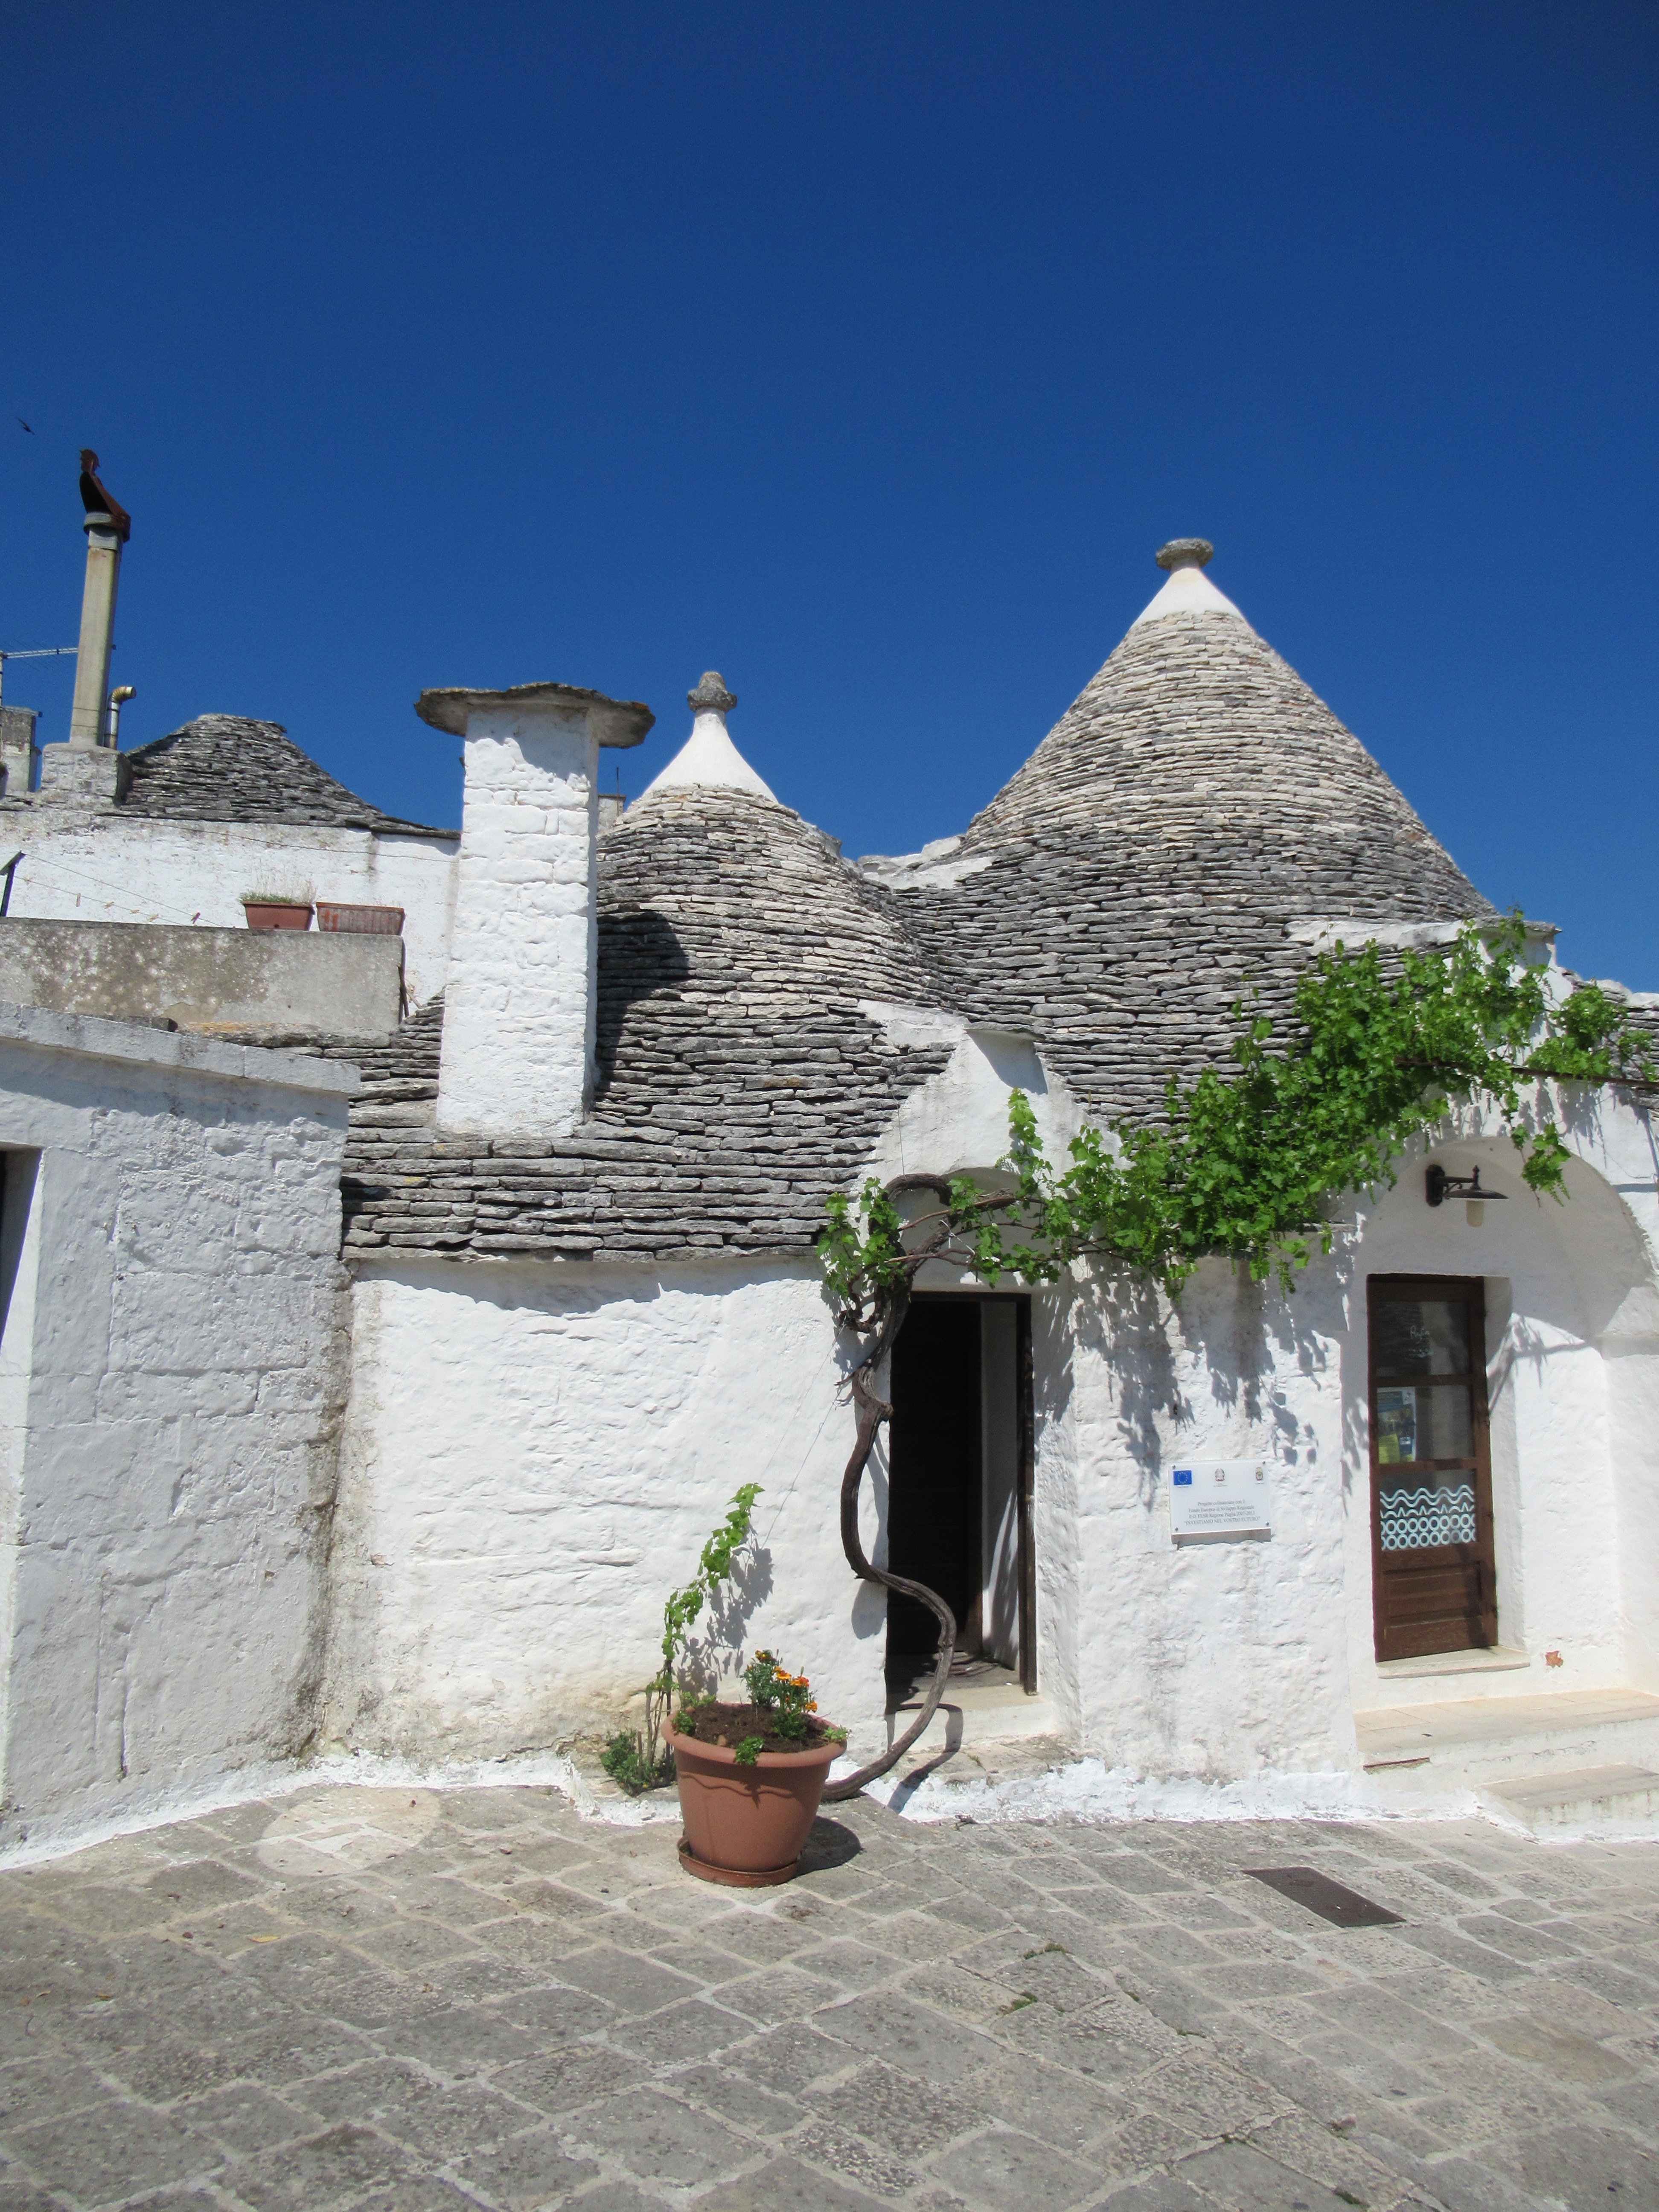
<point>1187,589</point>
<point>708,761</point>
<point>711,695</point>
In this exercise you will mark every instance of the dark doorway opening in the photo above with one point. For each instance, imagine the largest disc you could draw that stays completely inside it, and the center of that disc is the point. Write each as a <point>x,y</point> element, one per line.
<point>959,1486</point>
<point>1434,1581</point>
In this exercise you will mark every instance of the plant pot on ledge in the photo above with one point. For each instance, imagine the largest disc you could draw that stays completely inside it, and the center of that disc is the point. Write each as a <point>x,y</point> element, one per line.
<point>275,913</point>
<point>745,1823</point>
<point>334,916</point>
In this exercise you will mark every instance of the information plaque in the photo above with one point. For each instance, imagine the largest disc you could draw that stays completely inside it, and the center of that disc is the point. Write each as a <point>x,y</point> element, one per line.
<point>1220,1498</point>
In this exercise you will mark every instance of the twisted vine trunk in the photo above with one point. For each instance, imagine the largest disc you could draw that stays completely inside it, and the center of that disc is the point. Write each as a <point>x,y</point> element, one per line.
<point>890,1307</point>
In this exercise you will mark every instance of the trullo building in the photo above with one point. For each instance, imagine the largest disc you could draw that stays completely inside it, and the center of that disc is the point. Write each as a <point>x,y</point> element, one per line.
<point>1405,1520</point>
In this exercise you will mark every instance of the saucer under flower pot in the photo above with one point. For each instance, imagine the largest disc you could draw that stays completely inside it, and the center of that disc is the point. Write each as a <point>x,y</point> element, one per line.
<point>746,1820</point>
<point>736,1877</point>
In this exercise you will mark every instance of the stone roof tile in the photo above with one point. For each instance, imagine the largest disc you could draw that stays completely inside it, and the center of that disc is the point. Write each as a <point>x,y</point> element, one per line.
<point>739,1083</point>
<point>1174,840</point>
<point>229,767</point>
<point>1149,862</point>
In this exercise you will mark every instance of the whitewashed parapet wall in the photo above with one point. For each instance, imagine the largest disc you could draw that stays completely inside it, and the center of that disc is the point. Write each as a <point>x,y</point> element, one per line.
<point>171,1382</point>
<point>116,867</point>
<point>520,994</point>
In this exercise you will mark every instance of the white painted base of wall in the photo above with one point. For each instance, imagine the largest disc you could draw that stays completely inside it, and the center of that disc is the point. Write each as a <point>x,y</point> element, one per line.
<point>1489,1743</point>
<point>1617,1802</point>
<point>1089,1790</point>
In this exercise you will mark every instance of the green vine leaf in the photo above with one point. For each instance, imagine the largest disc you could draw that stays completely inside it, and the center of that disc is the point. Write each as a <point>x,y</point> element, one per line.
<point>1247,1164</point>
<point>681,1610</point>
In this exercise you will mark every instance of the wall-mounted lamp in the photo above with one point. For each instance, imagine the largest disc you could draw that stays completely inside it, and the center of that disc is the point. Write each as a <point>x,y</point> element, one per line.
<point>1439,1187</point>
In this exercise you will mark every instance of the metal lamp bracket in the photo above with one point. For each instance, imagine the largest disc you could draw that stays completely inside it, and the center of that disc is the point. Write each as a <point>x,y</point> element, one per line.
<point>1439,1187</point>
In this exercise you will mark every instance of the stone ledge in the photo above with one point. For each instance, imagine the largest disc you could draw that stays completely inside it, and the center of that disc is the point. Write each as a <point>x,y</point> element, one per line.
<point>135,1041</point>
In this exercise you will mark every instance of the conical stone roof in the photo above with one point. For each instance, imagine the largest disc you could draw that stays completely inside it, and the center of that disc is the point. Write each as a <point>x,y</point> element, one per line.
<point>739,958</point>
<point>1184,830</point>
<point>745,1069</point>
<point>1172,838</point>
<point>230,768</point>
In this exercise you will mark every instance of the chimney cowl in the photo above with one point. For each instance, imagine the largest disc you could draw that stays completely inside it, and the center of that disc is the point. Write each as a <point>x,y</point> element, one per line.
<point>103,511</point>
<point>613,721</point>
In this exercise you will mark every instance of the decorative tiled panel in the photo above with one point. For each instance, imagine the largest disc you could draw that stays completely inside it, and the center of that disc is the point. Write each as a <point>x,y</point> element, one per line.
<point>1412,1520</point>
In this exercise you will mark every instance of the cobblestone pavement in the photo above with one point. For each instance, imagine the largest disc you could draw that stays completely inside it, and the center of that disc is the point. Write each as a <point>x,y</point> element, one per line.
<point>408,1999</point>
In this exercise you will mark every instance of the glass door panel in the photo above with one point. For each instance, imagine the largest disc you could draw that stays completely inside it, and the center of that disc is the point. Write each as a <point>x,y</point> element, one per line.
<point>1420,1336</point>
<point>1423,1421</point>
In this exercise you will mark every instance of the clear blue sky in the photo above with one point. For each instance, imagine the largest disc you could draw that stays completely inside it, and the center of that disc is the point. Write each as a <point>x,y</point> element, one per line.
<point>865,354</point>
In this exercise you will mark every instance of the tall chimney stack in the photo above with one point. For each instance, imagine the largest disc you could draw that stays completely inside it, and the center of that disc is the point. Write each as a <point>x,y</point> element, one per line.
<point>519,995</point>
<point>108,527</point>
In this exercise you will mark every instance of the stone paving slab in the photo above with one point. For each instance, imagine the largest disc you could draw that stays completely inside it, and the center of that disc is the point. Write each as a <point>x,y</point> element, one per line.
<point>425,2001</point>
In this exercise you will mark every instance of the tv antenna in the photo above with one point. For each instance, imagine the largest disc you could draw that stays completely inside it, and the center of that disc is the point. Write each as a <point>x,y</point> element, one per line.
<point>31,652</point>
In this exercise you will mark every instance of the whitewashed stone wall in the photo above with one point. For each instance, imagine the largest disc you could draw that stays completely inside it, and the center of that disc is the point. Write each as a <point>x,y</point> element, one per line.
<point>117,867</point>
<point>171,1377</point>
<point>534,1453</point>
<point>533,1459</point>
<point>1208,1659</point>
<point>1220,1658</point>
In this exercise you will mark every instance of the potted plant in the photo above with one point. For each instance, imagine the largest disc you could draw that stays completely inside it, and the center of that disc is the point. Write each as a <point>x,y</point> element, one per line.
<point>289,907</point>
<point>749,1774</point>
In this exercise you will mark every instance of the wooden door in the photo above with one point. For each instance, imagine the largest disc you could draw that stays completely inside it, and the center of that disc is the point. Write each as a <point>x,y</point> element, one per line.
<point>1434,1586</point>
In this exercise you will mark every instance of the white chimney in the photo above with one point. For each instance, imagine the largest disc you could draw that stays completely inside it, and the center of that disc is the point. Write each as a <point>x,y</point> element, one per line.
<point>518,997</point>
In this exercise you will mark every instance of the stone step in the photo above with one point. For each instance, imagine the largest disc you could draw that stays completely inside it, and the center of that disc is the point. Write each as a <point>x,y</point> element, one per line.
<point>1492,1742</point>
<point>1627,1797</point>
<point>974,1713</point>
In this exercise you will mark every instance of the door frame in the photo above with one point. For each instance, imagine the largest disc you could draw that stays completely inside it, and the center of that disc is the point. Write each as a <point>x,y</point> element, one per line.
<point>1472,1290</point>
<point>1025,1465</point>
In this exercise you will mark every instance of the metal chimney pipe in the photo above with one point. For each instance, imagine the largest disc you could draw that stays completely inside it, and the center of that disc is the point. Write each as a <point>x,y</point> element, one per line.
<point>108,526</point>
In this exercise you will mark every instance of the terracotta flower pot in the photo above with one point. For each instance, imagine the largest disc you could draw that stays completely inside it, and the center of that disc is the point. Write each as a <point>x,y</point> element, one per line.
<point>745,1825</point>
<point>270,914</point>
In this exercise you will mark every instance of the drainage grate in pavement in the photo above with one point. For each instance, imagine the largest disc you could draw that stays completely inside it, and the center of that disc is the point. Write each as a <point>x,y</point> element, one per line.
<point>1343,1908</point>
